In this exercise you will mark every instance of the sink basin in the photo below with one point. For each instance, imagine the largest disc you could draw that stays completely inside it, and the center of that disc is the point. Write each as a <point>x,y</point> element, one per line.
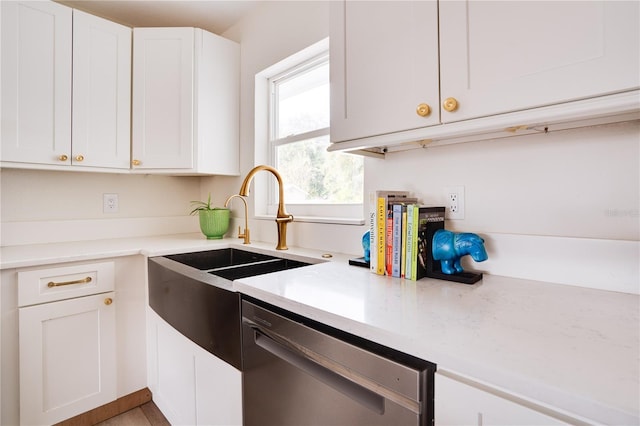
<point>259,268</point>
<point>221,258</point>
<point>233,264</point>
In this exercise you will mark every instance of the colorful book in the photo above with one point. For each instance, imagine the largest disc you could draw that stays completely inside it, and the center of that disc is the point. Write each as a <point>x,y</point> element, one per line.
<point>414,243</point>
<point>409,253</point>
<point>396,254</point>
<point>403,249</point>
<point>373,252</point>
<point>384,199</point>
<point>381,226</point>
<point>389,241</point>
<point>430,219</point>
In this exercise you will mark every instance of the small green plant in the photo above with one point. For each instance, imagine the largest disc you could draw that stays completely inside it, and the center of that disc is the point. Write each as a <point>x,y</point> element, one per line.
<point>201,205</point>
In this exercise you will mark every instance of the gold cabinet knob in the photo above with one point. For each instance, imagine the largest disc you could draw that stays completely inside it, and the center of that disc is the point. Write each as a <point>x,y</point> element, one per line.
<point>423,110</point>
<point>108,301</point>
<point>450,104</point>
<point>63,157</point>
<point>136,162</point>
<point>79,157</point>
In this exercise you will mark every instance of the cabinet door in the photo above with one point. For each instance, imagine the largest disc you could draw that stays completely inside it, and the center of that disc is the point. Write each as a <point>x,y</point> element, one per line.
<point>218,390</point>
<point>101,92</point>
<point>67,358</point>
<point>172,372</point>
<point>502,56</point>
<point>218,104</point>
<point>36,82</point>
<point>190,385</point>
<point>384,64</point>
<point>163,66</point>
<point>458,403</point>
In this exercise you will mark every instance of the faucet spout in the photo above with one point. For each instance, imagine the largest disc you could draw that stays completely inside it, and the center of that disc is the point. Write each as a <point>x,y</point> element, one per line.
<point>282,217</point>
<point>245,234</point>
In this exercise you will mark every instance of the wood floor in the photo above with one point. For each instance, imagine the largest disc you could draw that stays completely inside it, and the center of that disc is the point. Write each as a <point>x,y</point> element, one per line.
<point>145,415</point>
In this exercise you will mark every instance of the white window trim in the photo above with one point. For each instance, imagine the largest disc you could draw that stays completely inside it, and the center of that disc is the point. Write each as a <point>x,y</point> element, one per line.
<point>263,153</point>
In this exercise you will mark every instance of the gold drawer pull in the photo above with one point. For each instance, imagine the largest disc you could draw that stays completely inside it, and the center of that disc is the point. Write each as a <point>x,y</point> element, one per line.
<point>108,301</point>
<point>52,284</point>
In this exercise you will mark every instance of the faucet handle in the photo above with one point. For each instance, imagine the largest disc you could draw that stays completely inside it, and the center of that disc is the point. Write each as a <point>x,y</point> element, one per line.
<point>244,235</point>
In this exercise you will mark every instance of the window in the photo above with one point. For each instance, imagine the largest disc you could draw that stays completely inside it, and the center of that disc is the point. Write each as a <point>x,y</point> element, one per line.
<point>317,184</point>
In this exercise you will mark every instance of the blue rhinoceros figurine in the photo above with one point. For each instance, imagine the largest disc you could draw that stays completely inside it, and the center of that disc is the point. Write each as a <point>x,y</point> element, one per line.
<point>449,247</point>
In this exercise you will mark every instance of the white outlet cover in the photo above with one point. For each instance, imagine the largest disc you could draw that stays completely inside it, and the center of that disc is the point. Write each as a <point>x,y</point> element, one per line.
<point>110,203</point>
<point>459,191</point>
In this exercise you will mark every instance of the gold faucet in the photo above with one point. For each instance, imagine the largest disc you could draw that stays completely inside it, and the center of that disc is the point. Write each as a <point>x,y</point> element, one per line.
<point>282,217</point>
<point>244,234</point>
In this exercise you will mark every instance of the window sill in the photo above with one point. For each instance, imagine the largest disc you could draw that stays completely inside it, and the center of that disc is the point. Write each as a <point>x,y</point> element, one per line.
<point>318,219</point>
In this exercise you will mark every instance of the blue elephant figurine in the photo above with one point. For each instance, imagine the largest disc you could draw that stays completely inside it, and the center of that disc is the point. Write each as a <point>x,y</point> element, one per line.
<point>449,247</point>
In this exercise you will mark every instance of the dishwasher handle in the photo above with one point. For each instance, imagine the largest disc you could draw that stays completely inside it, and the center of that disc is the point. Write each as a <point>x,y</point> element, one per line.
<point>323,373</point>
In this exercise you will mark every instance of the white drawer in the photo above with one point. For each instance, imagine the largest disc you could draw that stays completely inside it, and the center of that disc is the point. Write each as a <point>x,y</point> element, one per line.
<point>64,282</point>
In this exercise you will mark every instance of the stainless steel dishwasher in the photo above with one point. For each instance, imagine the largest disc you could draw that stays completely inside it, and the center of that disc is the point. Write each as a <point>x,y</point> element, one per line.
<point>299,372</point>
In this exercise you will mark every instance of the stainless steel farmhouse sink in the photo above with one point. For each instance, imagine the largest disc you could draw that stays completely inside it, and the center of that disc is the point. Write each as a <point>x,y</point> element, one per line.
<point>234,264</point>
<point>194,293</point>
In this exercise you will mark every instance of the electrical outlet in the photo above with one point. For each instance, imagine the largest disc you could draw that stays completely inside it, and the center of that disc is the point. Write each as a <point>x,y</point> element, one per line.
<point>454,202</point>
<point>110,203</point>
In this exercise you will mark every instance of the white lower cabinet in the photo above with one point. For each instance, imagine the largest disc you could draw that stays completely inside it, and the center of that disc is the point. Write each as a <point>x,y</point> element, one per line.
<point>67,358</point>
<point>72,338</point>
<point>190,385</point>
<point>67,340</point>
<point>458,403</point>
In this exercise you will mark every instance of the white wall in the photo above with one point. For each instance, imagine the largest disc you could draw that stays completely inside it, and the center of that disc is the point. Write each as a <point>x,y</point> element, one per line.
<point>51,206</point>
<point>581,183</point>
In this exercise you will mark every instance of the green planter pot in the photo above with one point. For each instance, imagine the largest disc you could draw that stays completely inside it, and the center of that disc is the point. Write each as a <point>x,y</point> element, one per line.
<point>214,223</point>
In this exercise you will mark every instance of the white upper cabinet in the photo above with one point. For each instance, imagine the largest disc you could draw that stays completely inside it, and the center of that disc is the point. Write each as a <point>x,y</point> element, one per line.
<point>185,102</point>
<point>498,57</point>
<point>36,82</point>
<point>101,92</point>
<point>481,67</point>
<point>54,57</point>
<point>384,65</point>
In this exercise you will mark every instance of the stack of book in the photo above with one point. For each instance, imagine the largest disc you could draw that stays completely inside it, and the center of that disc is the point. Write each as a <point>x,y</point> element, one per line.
<point>400,232</point>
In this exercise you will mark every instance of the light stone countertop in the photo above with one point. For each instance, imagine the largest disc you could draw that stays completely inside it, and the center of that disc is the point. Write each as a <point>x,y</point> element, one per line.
<point>565,347</point>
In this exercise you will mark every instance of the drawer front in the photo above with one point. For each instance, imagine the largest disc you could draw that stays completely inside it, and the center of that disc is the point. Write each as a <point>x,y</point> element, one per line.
<point>64,282</point>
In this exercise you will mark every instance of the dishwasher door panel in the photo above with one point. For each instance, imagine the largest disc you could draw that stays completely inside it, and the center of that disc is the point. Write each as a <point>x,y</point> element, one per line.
<point>294,374</point>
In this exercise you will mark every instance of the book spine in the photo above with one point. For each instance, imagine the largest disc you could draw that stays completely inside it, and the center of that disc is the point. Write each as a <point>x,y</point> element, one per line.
<point>388,254</point>
<point>414,244</point>
<point>373,251</point>
<point>381,219</point>
<point>408,243</point>
<point>396,240</point>
<point>403,250</point>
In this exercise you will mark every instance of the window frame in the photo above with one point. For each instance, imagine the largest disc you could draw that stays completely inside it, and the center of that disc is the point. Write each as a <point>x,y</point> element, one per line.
<point>301,62</point>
